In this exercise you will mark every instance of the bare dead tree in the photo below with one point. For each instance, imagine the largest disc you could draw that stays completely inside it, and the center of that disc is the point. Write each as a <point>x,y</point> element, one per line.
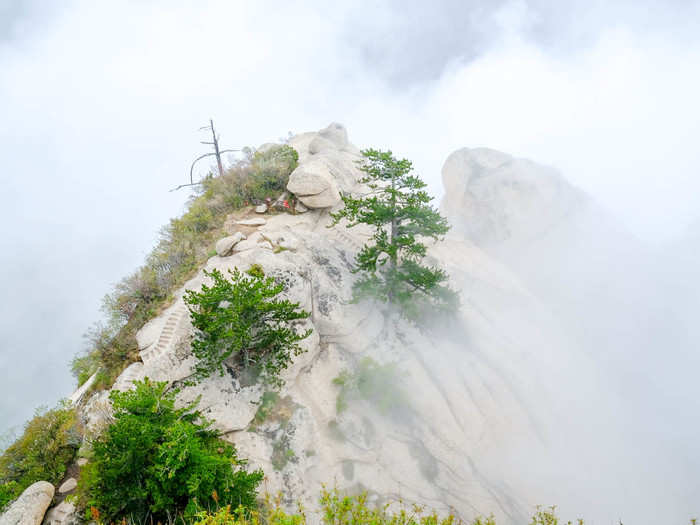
<point>217,152</point>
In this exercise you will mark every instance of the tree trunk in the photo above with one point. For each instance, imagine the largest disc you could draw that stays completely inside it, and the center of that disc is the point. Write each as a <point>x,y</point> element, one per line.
<point>393,257</point>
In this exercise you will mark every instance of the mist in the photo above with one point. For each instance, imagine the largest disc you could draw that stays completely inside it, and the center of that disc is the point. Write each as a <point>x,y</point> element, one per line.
<point>101,104</point>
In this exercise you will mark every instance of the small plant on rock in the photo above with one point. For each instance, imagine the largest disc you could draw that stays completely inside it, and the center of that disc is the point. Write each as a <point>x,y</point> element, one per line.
<point>372,382</point>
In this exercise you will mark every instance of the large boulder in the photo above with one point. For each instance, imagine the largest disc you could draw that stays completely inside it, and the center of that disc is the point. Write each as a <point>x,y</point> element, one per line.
<point>30,507</point>
<point>64,513</point>
<point>314,185</point>
<point>68,485</point>
<point>225,245</point>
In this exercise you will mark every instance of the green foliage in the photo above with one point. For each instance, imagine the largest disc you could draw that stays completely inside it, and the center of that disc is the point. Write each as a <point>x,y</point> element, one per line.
<point>378,384</point>
<point>184,244</point>
<point>156,460</point>
<point>267,404</point>
<point>340,509</point>
<point>243,321</point>
<point>8,492</point>
<point>335,509</point>
<point>42,453</point>
<point>399,211</point>
<point>264,175</point>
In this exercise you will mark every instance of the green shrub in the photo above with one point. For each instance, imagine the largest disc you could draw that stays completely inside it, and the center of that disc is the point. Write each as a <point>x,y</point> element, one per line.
<point>243,319</point>
<point>156,460</point>
<point>42,453</point>
<point>378,384</point>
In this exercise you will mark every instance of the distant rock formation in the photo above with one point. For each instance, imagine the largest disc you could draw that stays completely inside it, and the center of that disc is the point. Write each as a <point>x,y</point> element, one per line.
<point>494,199</point>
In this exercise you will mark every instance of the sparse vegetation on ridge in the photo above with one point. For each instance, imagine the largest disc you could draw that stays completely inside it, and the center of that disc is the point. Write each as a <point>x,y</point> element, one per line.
<point>42,453</point>
<point>184,244</point>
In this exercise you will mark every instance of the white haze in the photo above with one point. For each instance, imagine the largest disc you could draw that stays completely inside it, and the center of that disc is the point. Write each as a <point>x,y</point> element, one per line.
<point>100,105</point>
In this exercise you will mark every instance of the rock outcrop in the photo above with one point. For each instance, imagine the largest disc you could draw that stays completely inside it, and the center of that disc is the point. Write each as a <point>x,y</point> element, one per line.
<point>327,167</point>
<point>224,246</point>
<point>493,199</point>
<point>30,507</point>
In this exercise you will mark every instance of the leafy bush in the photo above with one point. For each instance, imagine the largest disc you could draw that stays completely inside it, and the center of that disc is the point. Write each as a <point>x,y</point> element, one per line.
<point>43,452</point>
<point>378,384</point>
<point>242,319</point>
<point>184,244</point>
<point>156,460</point>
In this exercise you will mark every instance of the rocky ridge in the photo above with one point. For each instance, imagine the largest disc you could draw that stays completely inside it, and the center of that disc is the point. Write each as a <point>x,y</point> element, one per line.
<point>472,398</point>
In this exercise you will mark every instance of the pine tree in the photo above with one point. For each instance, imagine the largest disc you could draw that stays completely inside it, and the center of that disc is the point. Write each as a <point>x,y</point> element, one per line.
<point>399,210</point>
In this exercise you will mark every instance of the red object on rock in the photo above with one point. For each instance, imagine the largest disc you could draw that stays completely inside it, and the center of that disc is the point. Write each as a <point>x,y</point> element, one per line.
<point>286,204</point>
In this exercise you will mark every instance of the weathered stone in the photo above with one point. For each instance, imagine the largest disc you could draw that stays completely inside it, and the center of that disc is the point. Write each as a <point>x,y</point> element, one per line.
<point>62,514</point>
<point>335,133</point>
<point>82,462</point>
<point>67,485</point>
<point>300,208</point>
<point>493,198</point>
<point>257,221</point>
<point>261,208</point>
<point>314,185</point>
<point>249,243</point>
<point>30,507</point>
<point>320,144</point>
<point>224,246</point>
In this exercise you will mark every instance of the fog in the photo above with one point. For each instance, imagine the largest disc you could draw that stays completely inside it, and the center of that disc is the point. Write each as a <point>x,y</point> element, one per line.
<point>100,105</point>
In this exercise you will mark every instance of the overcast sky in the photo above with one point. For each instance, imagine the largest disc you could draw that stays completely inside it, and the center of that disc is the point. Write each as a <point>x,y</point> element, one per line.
<point>100,103</point>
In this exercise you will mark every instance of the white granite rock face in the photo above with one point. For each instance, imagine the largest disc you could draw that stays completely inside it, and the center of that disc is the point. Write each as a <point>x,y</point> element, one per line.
<point>30,507</point>
<point>314,185</point>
